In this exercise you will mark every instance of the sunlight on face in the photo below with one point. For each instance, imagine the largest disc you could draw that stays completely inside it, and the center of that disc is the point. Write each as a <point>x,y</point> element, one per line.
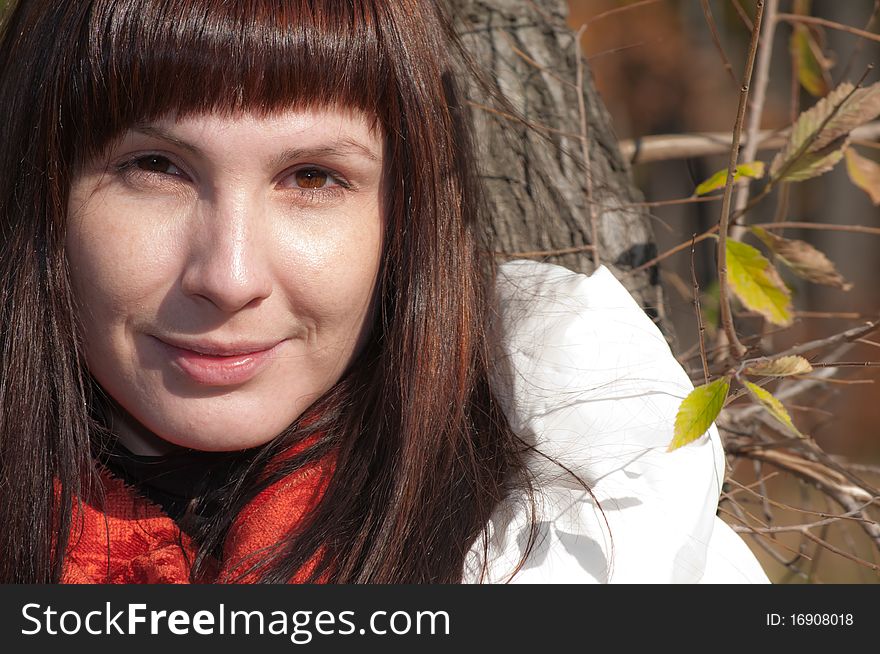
<point>224,270</point>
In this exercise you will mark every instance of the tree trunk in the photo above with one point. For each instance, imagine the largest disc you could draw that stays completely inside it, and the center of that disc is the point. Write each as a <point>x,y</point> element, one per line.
<point>533,163</point>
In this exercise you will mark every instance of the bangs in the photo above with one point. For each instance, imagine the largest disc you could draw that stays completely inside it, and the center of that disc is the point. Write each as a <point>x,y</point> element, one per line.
<point>144,59</point>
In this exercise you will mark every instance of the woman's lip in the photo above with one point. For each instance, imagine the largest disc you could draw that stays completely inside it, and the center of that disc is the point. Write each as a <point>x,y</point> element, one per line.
<point>212,369</point>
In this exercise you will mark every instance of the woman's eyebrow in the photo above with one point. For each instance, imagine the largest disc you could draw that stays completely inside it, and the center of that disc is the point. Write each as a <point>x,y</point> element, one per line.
<point>159,133</point>
<point>342,148</point>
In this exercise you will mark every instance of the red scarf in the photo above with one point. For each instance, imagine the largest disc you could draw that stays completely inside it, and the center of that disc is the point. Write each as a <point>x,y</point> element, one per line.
<point>130,540</point>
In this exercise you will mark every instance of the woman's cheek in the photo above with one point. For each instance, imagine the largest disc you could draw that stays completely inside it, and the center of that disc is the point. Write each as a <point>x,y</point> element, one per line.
<point>332,261</point>
<point>120,257</point>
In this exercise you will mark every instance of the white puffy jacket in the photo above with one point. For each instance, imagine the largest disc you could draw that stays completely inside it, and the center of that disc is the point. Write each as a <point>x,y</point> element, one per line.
<point>592,383</point>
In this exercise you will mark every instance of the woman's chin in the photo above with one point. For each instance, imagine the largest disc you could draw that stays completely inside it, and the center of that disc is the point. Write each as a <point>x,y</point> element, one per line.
<point>217,434</point>
<point>223,438</point>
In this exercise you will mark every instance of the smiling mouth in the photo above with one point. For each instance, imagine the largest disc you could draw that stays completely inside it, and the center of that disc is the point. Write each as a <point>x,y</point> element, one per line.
<point>212,365</point>
<point>222,351</point>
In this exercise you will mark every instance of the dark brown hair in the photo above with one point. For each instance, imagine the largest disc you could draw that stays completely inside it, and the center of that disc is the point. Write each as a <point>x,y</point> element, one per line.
<point>423,453</point>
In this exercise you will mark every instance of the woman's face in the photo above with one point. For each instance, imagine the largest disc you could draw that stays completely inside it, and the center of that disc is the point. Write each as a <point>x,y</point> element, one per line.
<point>224,270</point>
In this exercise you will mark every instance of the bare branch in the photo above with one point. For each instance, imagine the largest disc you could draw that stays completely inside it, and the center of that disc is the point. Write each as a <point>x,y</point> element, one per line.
<point>843,337</point>
<point>664,147</point>
<point>756,108</point>
<point>852,557</point>
<point>780,529</point>
<point>737,348</point>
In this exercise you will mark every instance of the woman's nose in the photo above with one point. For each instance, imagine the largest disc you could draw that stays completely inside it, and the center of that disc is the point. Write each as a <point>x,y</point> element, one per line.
<point>228,260</point>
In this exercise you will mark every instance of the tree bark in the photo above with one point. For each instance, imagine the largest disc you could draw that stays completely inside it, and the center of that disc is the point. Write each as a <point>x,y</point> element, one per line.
<point>532,162</point>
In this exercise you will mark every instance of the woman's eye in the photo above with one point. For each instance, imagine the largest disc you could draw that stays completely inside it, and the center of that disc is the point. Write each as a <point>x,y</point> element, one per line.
<point>155,163</point>
<point>312,179</point>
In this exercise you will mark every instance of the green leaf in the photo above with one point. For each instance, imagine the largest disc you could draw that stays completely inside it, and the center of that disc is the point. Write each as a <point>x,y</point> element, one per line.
<point>812,64</point>
<point>698,411</point>
<point>803,259</point>
<point>820,134</point>
<point>864,173</point>
<point>757,284</point>
<point>781,367</point>
<point>773,406</point>
<point>753,170</point>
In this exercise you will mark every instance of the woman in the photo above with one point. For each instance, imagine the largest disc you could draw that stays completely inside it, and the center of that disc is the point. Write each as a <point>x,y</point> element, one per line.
<point>247,326</point>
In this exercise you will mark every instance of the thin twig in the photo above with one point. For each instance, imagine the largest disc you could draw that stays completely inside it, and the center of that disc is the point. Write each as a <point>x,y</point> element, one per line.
<point>713,30</point>
<point>836,315</point>
<point>743,15</point>
<point>821,476</point>
<point>765,501</point>
<point>842,382</point>
<point>831,548</point>
<point>691,199</point>
<point>701,329</point>
<point>739,517</point>
<point>857,48</point>
<point>761,482</point>
<point>585,149</point>
<point>813,20</point>
<point>628,46</point>
<point>686,292</point>
<point>857,229</point>
<point>756,106</point>
<point>857,467</point>
<point>867,342</point>
<point>811,409</point>
<point>825,459</point>
<point>832,315</point>
<point>780,529</point>
<point>709,233</point>
<point>724,290</point>
<point>782,505</point>
<point>617,10</point>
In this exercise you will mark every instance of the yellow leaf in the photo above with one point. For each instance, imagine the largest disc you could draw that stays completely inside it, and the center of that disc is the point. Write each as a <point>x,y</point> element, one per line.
<point>773,406</point>
<point>864,173</point>
<point>819,135</point>
<point>811,163</point>
<point>812,64</point>
<point>753,170</point>
<point>756,283</point>
<point>698,411</point>
<point>803,259</point>
<point>781,367</point>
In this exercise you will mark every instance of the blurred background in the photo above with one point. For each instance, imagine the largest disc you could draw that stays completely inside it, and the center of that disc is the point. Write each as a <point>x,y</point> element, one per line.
<point>659,71</point>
